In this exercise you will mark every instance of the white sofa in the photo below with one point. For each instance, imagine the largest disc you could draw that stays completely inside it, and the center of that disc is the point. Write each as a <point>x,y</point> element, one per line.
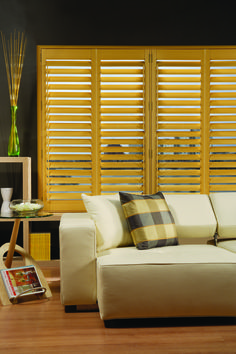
<point>194,278</point>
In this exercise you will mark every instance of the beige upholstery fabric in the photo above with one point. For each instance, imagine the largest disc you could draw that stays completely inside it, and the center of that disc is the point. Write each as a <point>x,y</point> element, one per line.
<point>224,205</point>
<point>77,260</point>
<point>165,255</point>
<point>228,244</point>
<point>193,215</point>
<point>187,280</point>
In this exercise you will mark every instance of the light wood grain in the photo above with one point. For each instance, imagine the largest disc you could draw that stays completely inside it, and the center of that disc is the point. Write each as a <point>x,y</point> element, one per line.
<point>26,189</point>
<point>26,172</point>
<point>44,327</point>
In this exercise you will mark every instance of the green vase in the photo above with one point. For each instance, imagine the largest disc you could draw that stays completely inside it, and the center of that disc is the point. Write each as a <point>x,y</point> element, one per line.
<point>13,144</point>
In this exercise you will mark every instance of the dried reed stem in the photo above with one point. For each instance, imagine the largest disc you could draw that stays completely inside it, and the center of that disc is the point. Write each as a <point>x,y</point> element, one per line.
<point>14,52</point>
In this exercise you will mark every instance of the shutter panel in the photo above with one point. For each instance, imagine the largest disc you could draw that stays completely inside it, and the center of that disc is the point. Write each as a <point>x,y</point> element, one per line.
<point>92,127</point>
<point>223,120</point>
<point>122,120</point>
<point>178,121</point>
<point>68,131</point>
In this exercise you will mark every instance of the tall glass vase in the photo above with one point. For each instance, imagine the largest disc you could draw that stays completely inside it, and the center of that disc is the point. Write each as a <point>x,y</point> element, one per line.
<point>13,144</point>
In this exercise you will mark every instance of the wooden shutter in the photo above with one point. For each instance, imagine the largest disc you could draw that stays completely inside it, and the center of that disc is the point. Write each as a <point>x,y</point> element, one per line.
<point>134,119</point>
<point>91,124</point>
<point>223,120</point>
<point>122,115</point>
<point>178,132</point>
<point>66,126</point>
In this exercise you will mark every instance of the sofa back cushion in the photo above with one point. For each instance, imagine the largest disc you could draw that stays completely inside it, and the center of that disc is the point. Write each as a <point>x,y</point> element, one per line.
<point>224,205</point>
<point>193,215</point>
<point>108,216</point>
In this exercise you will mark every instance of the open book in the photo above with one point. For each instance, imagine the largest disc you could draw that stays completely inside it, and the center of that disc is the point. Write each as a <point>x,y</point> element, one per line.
<point>22,281</point>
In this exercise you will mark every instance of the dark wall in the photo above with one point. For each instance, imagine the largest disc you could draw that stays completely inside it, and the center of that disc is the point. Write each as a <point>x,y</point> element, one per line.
<point>50,22</point>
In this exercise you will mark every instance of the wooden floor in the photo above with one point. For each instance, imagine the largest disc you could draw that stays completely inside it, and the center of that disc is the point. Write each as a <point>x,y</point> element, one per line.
<point>44,327</point>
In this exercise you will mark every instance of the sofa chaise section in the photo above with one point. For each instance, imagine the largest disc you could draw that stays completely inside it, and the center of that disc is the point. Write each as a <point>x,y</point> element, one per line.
<point>180,281</point>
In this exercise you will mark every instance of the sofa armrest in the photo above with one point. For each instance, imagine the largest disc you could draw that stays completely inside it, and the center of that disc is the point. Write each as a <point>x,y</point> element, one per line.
<point>77,259</point>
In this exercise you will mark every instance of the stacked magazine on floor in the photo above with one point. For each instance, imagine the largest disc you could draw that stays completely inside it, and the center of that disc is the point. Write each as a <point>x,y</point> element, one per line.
<point>21,282</point>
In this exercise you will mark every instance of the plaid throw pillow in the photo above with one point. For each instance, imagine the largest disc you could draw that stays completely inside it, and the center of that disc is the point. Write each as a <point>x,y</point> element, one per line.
<point>149,219</point>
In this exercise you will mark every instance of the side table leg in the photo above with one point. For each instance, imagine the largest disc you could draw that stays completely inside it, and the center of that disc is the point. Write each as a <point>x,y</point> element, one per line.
<point>11,250</point>
<point>26,231</point>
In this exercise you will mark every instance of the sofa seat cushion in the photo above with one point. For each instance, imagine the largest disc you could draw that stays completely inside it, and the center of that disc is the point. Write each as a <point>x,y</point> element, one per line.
<point>165,255</point>
<point>193,215</point>
<point>229,245</point>
<point>185,280</point>
<point>224,205</point>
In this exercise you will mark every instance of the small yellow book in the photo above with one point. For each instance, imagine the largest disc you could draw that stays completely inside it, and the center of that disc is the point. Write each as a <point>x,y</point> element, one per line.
<point>40,246</point>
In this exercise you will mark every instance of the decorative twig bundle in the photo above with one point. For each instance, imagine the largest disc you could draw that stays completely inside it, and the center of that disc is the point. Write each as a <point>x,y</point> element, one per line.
<point>14,52</point>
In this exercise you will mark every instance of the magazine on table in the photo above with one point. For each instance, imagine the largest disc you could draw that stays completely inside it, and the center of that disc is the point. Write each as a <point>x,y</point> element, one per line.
<point>21,281</point>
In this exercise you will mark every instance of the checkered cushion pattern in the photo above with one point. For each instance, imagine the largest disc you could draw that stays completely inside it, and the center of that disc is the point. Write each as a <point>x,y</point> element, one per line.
<point>149,219</point>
